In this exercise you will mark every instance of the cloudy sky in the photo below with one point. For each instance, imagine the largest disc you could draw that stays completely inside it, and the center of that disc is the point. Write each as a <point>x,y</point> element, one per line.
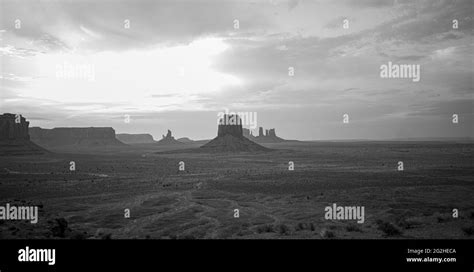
<point>177,64</point>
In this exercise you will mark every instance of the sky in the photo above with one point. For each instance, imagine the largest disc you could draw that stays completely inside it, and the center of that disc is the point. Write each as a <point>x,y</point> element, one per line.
<point>301,66</point>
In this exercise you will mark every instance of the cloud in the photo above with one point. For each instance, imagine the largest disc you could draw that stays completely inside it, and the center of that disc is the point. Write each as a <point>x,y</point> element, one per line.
<point>95,26</point>
<point>445,108</point>
<point>336,70</point>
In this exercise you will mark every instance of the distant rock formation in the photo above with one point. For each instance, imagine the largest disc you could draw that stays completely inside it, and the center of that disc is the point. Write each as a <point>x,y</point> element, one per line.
<point>13,127</point>
<point>168,135</point>
<point>169,140</point>
<point>75,136</point>
<point>269,136</point>
<point>135,138</point>
<point>230,138</point>
<point>185,140</point>
<point>14,136</point>
<point>248,133</point>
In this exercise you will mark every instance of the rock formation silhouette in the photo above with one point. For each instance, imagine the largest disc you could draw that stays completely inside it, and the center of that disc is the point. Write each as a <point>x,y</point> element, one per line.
<point>169,140</point>
<point>75,136</point>
<point>185,140</point>
<point>230,138</point>
<point>135,138</point>
<point>15,138</point>
<point>269,136</point>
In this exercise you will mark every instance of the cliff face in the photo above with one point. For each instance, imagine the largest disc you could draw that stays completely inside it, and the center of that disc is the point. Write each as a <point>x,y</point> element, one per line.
<point>247,133</point>
<point>135,138</point>
<point>234,127</point>
<point>230,138</point>
<point>13,127</point>
<point>91,136</point>
<point>268,137</point>
<point>14,137</point>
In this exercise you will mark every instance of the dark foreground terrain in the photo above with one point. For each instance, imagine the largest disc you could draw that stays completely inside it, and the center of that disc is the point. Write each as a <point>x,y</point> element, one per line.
<point>273,202</point>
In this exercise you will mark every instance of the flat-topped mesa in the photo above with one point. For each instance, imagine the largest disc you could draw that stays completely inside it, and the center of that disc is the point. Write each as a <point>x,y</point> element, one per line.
<point>185,140</point>
<point>15,138</point>
<point>75,136</point>
<point>13,127</point>
<point>230,125</point>
<point>135,138</point>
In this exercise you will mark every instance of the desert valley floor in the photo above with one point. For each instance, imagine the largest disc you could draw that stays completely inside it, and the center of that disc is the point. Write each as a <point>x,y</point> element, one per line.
<point>273,202</point>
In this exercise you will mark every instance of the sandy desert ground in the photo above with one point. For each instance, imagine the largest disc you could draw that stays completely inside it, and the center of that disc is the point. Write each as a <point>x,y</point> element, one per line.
<point>273,202</point>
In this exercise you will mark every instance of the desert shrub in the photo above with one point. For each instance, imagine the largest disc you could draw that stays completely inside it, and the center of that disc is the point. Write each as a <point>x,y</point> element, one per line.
<point>441,219</point>
<point>246,225</point>
<point>283,229</point>
<point>305,226</point>
<point>327,234</point>
<point>59,228</point>
<point>301,226</point>
<point>106,236</point>
<point>388,228</point>
<point>188,236</point>
<point>265,228</point>
<point>407,223</point>
<point>79,236</point>
<point>468,230</point>
<point>353,228</point>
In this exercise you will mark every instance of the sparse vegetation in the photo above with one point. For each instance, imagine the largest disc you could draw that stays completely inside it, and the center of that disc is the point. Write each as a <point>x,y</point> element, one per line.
<point>59,228</point>
<point>283,229</point>
<point>468,230</point>
<point>264,197</point>
<point>300,226</point>
<point>353,228</point>
<point>409,223</point>
<point>106,236</point>
<point>327,234</point>
<point>305,226</point>
<point>265,228</point>
<point>388,228</point>
<point>188,236</point>
<point>79,236</point>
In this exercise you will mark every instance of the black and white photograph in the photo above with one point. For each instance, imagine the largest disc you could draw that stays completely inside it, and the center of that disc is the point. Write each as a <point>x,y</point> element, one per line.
<point>237,120</point>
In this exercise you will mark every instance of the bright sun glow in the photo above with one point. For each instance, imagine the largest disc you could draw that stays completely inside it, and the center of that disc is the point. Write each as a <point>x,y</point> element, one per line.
<point>144,79</point>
